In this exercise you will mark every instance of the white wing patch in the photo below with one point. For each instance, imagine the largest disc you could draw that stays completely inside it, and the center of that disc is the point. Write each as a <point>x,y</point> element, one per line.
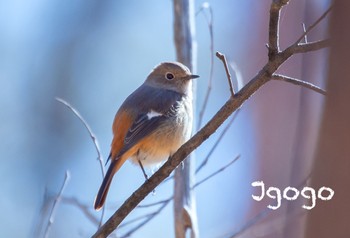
<point>152,114</point>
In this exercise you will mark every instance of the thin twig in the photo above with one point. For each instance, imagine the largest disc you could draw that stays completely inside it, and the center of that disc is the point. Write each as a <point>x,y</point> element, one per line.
<point>314,25</point>
<point>149,217</point>
<point>211,34</point>
<point>304,30</point>
<point>55,205</point>
<point>155,203</point>
<point>298,82</point>
<point>262,214</point>
<point>228,74</point>
<point>217,142</point>
<point>83,207</point>
<point>310,46</point>
<point>94,140</point>
<point>92,135</point>
<point>216,172</point>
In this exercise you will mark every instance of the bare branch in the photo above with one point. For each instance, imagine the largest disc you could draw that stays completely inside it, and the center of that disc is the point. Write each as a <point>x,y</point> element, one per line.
<point>217,142</point>
<point>94,140</point>
<point>216,172</point>
<point>304,30</point>
<point>84,208</point>
<point>155,203</point>
<point>314,25</point>
<point>184,206</point>
<point>310,46</point>
<point>275,11</point>
<point>166,201</point>
<point>55,205</point>
<point>92,135</point>
<point>149,217</point>
<point>266,211</point>
<point>211,34</point>
<point>228,74</point>
<point>298,82</point>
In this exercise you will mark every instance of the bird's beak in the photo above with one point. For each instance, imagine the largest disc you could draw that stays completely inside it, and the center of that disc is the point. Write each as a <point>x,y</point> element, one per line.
<point>192,76</point>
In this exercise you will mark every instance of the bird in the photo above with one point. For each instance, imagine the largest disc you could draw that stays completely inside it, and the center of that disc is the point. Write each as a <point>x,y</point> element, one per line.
<point>152,123</point>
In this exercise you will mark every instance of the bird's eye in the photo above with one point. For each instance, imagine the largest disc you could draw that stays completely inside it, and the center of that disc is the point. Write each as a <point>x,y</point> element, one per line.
<point>169,76</point>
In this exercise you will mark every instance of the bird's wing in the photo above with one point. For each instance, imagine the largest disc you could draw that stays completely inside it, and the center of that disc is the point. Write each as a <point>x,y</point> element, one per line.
<point>154,110</point>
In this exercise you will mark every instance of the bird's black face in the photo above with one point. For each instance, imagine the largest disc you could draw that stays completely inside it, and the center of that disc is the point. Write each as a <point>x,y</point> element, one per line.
<point>171,75</point>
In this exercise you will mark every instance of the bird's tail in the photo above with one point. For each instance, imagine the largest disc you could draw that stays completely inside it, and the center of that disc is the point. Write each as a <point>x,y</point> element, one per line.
<point>102,192</point>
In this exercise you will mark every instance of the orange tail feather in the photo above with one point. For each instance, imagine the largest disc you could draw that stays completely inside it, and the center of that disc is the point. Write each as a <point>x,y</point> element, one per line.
<point>103,191</point>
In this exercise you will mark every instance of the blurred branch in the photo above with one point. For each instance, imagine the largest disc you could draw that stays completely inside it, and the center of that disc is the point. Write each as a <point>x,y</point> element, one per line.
<point>164,202</point>
<point>148,218</point>
<point>217,142</point>
<point>199,168</point>
<point>304,30</point>
<point>155,203</point>
<point>209,21</point>
<point>94,140</point>
<point>83,207</point>
<point>217,172</point>
<point>185,214</point>
<point>55,205</point>
<point>92,135</point>
<point>298,82</point>
<point>276,59</point>
<point>313,25</point>
<point>228,74</point>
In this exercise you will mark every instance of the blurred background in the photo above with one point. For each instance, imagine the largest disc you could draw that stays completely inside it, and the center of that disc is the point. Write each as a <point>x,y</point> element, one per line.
<point>93,54</point>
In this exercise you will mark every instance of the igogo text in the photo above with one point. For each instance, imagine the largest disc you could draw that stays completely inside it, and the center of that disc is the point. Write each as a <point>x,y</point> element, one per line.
<point>291,193</point>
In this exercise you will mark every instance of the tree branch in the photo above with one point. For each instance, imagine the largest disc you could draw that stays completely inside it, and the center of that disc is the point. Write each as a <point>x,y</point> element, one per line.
<point>226,110</point>
<point>94,140</point>
<point>211,34</point>
<point>314,25</point>
<point>223,59</point>
<point>233,103</point>
<point>205,161</point>
<point>185,215</point>
<point>164,202</point>
<point>55,205</point>
<point>311,46</point>
<point>217,172</point>
<point>82,207</point>
<point>92,135</point>
<point>298,82</point>
<point>275,11</point>
<point>149,217</point>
